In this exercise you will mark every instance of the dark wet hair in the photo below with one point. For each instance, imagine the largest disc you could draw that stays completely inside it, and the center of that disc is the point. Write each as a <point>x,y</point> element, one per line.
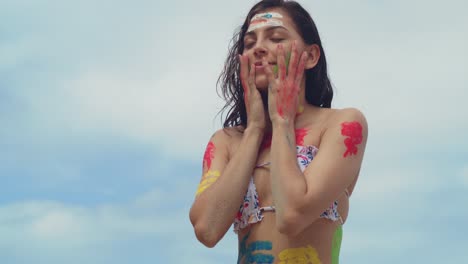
<point>318,89</point>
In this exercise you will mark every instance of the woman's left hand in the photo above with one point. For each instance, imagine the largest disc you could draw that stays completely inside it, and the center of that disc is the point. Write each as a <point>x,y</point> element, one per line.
<point>283,90</point>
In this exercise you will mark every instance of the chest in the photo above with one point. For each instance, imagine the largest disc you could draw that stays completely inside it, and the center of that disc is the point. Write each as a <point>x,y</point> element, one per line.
<point>305,151</point>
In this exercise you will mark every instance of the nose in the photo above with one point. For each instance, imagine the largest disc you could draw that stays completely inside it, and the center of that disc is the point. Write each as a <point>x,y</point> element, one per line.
<point>260,51</point>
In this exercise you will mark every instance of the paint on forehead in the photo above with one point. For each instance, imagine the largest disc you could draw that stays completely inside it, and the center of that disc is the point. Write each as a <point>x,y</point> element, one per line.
<point>271,19</point>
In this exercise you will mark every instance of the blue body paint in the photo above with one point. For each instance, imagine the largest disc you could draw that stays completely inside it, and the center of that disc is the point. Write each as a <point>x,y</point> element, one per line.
<point>247,253</point>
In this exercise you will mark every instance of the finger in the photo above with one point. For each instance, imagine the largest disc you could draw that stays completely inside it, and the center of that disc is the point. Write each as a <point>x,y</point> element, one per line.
<point>251,80</point>
<point>300,69</point>
<point>281,62</point>
<point>244,72</point>
<point>269,72</point>
<point>293,61</point>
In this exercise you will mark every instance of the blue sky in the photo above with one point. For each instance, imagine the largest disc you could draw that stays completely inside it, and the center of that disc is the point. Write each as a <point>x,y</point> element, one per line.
<point>106,107</point>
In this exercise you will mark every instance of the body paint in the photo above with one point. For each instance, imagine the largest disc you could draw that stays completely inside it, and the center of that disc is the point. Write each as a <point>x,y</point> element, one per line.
<point>336,245</point>
<point>207,180</point>
<point>353,132</point>
<point>266,142</point>
<point>246,253</point>
<point>265,19</point>
<point>287,96</point>
<point>300,109</point>
<point>275,67</point>
<point>208,156</point>
<point>303,255</point>
<point>300,134</point>
<point>286,99</point>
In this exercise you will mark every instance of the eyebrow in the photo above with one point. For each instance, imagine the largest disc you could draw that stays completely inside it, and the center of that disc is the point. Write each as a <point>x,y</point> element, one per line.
<point>268,29</point>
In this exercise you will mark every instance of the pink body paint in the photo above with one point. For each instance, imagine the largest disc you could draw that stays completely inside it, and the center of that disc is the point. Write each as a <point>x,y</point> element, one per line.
<point>209,155</point>
<point>353,132</point>
<point>300,134</point>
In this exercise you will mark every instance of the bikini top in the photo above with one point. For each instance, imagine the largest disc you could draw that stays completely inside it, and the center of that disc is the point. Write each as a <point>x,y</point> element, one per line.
<point>251,212</point>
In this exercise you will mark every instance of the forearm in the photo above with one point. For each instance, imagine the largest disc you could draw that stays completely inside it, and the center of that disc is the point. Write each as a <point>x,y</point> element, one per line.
<point>287,180</point>
<point>218,205</point>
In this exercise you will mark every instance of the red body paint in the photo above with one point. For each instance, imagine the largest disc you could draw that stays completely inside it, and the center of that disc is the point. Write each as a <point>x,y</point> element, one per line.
<point>286,100</point>
<point>209,155</point>
<point>300,134</point>
<point>266,143</point>
<point>353,132</point>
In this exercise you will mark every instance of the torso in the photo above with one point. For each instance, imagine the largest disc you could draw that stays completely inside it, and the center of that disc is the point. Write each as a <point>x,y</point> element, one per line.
<point>263,235</point>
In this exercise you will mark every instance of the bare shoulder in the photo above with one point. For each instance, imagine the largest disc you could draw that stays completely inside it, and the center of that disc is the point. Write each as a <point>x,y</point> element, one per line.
<point>338,116</point>
<point>228,137</point>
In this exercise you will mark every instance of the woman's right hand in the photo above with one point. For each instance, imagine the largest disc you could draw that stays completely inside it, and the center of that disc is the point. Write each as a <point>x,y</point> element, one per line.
<point>252,98</point>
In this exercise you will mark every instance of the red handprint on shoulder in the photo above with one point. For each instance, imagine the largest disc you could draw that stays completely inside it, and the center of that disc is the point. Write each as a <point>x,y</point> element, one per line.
<point>353,132</point>
<point>209,155</point>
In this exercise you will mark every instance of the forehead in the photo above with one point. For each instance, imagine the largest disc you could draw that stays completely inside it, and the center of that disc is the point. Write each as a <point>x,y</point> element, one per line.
<point>274,14</point>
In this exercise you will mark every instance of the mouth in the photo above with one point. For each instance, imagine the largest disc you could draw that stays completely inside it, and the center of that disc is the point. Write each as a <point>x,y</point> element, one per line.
<point>259,63</point>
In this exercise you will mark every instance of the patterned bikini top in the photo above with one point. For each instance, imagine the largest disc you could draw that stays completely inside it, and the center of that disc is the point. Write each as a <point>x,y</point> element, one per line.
<point>250,211</point>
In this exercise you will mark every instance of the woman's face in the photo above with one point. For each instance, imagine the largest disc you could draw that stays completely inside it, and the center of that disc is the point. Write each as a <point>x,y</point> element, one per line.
<point>266,30</point>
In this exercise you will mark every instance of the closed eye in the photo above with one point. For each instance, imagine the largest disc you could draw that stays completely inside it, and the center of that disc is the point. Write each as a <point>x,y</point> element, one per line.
<point>277,39</point>
<point>249,44</point>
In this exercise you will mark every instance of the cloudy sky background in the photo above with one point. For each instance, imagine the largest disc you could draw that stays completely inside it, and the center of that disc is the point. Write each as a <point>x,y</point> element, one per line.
<point>106,108</point>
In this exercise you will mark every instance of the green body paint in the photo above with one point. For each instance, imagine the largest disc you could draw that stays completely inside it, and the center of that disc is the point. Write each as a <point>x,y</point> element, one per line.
<point>275,68</point>
<point>336,245</point>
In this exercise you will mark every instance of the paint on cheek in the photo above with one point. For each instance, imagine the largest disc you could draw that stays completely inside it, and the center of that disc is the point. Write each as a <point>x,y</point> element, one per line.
<point>288,58</point>
<point>300,134</point>
<point>353,132</point>
<point>336,245</point>
<point>209,155</point>
<point>207,180</point>
<point>306,255</point>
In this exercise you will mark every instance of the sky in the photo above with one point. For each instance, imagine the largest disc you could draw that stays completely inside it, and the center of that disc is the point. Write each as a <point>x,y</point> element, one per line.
<point>106,108</point>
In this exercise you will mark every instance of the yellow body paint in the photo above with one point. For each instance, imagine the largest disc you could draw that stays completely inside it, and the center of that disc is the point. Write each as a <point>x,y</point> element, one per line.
<point>303,255</point>
<point>208,178</point>
<point>300,109</point>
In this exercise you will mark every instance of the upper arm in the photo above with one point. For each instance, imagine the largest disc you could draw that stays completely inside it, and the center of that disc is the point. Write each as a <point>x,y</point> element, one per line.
<point>215,158</point>
<point>338,161</point>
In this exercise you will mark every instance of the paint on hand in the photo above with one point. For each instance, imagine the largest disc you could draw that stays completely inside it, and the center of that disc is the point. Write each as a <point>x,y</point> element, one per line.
<point>208,156</point>
<point>300,134</point>
<point>265,19</point>
<point>287,98</point>
<point>353,132</point>
<point>336,245</point>
<point>207,180</point>
<point>247,254</point>
<point>303,255</point>
<point>288,58</point>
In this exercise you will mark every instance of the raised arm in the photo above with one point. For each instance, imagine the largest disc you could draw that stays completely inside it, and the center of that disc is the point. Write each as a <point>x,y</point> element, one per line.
<point>301,197</point>
<point>223,185</point>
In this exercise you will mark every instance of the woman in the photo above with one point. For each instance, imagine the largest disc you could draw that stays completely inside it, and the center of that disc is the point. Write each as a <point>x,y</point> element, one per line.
<point>258,172</point>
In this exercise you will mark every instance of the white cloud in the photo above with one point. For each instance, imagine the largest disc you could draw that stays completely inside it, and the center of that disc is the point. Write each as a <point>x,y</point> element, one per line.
<point>50,225</point>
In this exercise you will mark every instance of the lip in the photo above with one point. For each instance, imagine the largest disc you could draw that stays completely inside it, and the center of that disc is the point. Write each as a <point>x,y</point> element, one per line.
<point>259,63</point>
